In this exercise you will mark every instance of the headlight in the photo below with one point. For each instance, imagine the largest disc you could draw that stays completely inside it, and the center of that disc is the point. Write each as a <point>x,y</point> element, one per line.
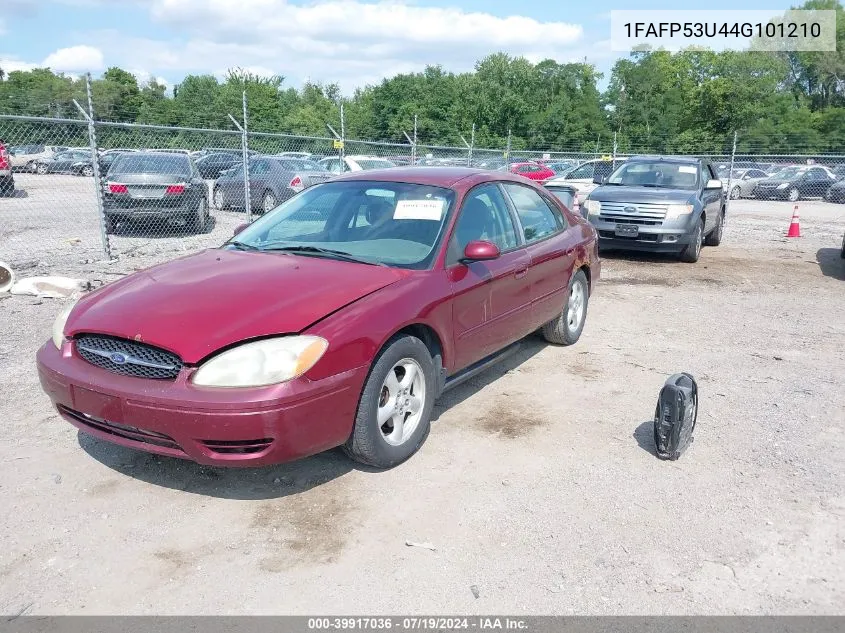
<point>261,363</point>
<point>59,326</point>
<point>674,211</point>
<point>783,185</point>
<point>593,207</point>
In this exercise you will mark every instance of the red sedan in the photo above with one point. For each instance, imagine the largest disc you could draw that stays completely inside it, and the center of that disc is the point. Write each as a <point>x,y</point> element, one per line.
<point>533,171</point>
<point>336,319</point>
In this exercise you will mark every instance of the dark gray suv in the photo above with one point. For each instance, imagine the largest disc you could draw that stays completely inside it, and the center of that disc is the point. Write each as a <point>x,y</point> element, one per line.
<point>662,204</point>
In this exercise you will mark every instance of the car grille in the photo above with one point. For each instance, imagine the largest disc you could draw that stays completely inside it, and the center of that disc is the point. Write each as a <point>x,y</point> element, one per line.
<point>128,358</point>
<point>238,447</point>
<point>644,213</point>
<point>121,430</point>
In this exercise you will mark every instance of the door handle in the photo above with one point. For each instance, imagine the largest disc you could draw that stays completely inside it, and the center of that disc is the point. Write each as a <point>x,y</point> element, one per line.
<point>520,272</point>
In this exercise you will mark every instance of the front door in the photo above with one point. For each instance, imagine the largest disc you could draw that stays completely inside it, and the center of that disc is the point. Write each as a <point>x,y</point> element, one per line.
<point>491,300</point>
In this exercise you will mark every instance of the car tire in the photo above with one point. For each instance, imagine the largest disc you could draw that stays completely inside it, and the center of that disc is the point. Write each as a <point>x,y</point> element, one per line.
<point>268,202</point>
<point>199,219</point>
<point>692,252</point>
<point>566,328</point>
<point>792,195</point>
<point>87,171</point>
<point>714,238</point>
<point>375,438</point>
<point>219,199</point>
<point>735,193</point>
<point>30,167</point>
<point>842,251</point>
<point>41,169</point>
<point>110,225</point>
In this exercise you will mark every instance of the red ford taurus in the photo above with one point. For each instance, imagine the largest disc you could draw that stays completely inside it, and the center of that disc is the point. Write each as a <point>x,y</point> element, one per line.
<point>336,319</point>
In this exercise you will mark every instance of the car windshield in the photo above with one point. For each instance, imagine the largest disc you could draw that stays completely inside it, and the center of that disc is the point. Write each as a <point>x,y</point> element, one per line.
<point>788,173</point>
<point>373,163</point>
<point>300,164</point>
<point>659,173</point>
<point>391,223</point>
<point>134,163</point>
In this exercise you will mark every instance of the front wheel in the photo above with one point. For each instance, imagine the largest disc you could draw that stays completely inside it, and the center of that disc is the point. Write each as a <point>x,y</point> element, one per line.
<point>394,412</point>
<point>792,195</point>
<point>88,171</point>
<point>735,193</point>
<point>566,328</point>
<point>41,169</point>
<point>219,198</point>
<point>268,203</point>
<point>691,253</point>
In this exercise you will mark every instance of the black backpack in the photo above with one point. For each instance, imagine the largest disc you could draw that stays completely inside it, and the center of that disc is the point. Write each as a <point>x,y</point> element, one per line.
<point>675,416</point>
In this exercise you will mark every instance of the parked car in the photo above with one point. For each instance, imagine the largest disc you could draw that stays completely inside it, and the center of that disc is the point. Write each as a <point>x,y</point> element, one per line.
<point>63,162</point>
<point>155,187</point>
<point>301,155</point>
<point>582,177</point>
<point>354,163</point>
<point>211,165</point>
<point>272,179</point>
<point>335,320</point>
<point>793,183</point>
<point>836,192</point>
<point>7,179</point>
<point>661,204</point>
<point>24,157</point>
<point>86,167</point>
<point>560,167</point>
<point>567,194</point>
<point>743,182</point>
<point>532,171</point>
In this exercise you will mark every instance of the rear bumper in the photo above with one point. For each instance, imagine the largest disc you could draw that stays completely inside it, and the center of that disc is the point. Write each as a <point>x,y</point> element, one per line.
<point>147,210</point>
<point>223,427</point>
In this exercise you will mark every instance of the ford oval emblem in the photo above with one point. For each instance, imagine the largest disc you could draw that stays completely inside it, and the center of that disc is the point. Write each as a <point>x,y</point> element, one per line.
<point>117,358</point>
<point>630,209</point>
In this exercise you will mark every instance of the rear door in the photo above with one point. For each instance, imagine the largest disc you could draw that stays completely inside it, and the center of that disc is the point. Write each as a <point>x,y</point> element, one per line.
<point>551,250</point>
<point>491,300</point>
<point>259,179</point>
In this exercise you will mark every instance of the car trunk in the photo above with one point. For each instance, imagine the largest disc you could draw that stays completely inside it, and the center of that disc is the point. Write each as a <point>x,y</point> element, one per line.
<point>165,190</point>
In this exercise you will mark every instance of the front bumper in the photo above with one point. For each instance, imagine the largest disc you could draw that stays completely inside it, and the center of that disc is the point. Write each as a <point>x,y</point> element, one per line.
<point>222,427</point>
<point>658,239</point>
<point>773,192</point>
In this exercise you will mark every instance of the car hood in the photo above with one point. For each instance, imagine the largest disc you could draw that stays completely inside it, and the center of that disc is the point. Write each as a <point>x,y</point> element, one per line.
<point>201,303</point>
<point>614,193</point>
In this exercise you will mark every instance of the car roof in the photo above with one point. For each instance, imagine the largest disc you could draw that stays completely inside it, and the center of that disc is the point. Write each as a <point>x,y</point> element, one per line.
<point>435,176</point>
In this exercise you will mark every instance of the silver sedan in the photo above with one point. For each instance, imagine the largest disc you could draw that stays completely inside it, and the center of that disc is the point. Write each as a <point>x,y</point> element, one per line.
<point>743,182</point>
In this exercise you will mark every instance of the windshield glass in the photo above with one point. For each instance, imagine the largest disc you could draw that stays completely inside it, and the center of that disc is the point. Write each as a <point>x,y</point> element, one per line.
<point>374,163</point>
<point>656,174</point>
<point>787,173</point>
<point>300,164</point>
<point>392,223</point>
<point>134,163</point>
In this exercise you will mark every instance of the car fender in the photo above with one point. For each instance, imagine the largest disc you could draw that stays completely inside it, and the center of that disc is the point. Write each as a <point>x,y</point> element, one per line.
<point>358,331</point>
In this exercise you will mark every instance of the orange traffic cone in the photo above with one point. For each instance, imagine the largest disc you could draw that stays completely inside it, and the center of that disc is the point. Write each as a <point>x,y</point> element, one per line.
<point>794,226</point>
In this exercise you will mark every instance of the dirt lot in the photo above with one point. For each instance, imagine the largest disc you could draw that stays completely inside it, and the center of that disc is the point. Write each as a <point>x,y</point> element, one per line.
<point>537,485</point>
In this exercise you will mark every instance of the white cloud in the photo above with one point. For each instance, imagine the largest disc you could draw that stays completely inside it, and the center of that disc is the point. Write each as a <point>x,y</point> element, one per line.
<point>11,64</point>
<point>75,58</point>
<point>346,41</point>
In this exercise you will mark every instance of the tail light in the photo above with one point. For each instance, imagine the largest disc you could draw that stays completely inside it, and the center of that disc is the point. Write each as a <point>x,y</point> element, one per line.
<point>4,157</point>
<point>175,190</point>
<point>296,184</point>
<point>118,189</point>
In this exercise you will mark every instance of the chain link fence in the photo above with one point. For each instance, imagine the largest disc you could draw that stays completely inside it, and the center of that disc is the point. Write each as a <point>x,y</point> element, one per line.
<point>89,191</point>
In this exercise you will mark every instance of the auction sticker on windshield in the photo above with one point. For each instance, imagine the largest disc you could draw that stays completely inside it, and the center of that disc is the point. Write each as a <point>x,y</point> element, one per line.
<point>687,169</point>
<point>418,210</point>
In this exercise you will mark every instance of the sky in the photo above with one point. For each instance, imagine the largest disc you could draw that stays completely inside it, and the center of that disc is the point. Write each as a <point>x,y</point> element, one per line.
<point>349,42</point>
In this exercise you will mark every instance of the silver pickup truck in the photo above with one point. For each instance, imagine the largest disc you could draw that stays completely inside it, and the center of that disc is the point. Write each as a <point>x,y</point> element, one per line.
<point>659,204</point>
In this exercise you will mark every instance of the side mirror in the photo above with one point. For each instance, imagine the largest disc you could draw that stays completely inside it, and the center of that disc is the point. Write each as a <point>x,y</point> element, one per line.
<point>599,180</point>
<point>240,228</point>
<point>713,184</point>
<point>480,250</point>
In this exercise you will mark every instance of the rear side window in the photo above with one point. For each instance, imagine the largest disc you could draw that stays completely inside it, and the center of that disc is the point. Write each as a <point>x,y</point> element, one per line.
<point>151,164</point>
<point>536,216</point>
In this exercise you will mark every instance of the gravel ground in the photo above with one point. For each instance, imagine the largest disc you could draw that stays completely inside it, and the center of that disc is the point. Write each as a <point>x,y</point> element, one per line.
<point>538,483</point>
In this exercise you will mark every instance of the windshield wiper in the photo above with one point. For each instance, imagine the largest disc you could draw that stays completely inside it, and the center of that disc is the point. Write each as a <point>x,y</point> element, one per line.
<point>319,251</point>
<point>242,246</point>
